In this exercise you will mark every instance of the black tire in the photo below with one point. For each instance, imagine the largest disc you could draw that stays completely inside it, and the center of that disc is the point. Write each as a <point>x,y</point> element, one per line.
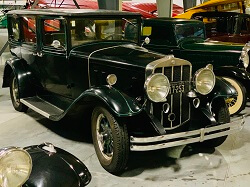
<point>113,154</point>
<point>15,94</point>
<point>236,104</point>
<point>222,116</point>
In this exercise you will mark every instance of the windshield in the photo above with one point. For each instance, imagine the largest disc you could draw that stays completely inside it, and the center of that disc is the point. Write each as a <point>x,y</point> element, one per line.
<point>89,30</point>
<point>191,30</point>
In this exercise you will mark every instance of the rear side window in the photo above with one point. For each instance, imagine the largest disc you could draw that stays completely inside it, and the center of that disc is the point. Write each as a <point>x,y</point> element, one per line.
<point>53,30</point>
<point>14,29</point>
<point>29,29</point>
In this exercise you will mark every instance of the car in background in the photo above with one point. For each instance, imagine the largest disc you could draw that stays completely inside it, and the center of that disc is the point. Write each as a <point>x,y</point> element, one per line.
<point>41,165</point>
<point>67,61</point>
<point>187,39</point>
<point>226,26</point>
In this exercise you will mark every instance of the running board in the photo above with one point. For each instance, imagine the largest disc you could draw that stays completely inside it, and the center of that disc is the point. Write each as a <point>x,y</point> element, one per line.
<point>42,107</point>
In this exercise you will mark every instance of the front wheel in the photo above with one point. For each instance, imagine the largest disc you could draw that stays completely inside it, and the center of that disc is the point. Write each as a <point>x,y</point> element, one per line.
<point>222,116</point>
<point>238,103</point>
<point>15,94</point>
<point>110,140</point>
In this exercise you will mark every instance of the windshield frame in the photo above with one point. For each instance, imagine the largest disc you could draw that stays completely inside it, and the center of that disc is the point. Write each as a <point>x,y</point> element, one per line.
<point>137,18</point>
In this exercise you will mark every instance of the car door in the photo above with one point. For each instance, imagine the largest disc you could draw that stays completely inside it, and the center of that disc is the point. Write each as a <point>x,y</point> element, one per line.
<point>51,57</point>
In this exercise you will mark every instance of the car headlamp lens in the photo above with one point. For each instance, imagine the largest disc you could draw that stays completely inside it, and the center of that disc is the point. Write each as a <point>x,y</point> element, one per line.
<point>245,58</point>
<point>204,81</point>
<point>16,165</point>
<point>157,87</point>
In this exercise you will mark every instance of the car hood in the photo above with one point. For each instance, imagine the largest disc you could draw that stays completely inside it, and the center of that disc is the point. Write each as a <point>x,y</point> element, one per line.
<point>58,168</point>
<point>213,46</point>
<point>120,53</point>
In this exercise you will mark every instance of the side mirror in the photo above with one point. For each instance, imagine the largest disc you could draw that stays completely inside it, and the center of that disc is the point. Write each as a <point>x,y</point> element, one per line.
<point>56,44</point>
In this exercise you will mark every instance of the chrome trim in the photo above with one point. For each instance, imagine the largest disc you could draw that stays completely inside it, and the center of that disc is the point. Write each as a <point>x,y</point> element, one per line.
<point>45,114</point>
<point>199,135</point>
<point>167,61</point>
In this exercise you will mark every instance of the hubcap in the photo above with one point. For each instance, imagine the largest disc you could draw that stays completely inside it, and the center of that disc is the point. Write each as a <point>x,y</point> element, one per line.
<point>104,137</point>
<point>15,91</point>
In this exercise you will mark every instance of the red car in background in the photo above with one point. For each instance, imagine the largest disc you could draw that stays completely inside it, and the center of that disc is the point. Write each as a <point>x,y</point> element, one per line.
<point>147,10</point>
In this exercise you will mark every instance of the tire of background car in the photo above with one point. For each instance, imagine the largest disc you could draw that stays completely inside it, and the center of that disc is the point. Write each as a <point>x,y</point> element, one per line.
<point>15,94</point>
<point>222,116</point>
<point>110,139</point>
<point>236,104</point>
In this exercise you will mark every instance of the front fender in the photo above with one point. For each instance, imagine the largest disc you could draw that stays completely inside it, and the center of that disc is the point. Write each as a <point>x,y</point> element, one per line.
<point>119,103</point>
<point>223,89</point>
<point>237,73</point>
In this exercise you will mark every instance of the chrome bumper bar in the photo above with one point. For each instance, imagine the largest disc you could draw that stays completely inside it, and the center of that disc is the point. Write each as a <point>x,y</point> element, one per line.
<point>182,138</point>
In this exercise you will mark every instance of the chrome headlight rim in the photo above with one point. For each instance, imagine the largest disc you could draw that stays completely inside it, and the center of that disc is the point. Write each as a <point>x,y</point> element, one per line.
<point>5,152</point>
<point>209,68</point>
<point>147,82</point>
<point>244,57</point>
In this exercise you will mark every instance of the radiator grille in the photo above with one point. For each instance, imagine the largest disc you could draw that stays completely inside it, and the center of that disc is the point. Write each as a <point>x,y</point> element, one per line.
<point>179,111</point>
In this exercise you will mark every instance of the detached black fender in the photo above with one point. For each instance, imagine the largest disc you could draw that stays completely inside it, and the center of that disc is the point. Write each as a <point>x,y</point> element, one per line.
<point>18,67</point>
<point>239,74</point>
<point>117,102</point>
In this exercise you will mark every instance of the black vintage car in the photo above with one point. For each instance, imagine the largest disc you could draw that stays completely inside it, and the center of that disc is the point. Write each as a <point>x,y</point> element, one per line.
<point>73,61</point>
<point>41,165</point>
<point>187,39</point>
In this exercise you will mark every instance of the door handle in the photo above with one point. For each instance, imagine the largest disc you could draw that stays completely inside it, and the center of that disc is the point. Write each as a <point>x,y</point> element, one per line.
<point>39,54</point>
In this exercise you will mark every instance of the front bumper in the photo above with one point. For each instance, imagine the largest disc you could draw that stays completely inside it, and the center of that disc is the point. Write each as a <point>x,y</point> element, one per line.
<point>182,138</point>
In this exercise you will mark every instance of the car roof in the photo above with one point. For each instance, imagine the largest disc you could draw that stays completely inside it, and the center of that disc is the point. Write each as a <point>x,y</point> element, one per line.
<point>224,14</point>
<point>71,12</point>
<point>170,21</point>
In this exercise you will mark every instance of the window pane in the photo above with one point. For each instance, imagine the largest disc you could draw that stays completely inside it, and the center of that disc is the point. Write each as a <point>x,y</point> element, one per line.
<point>29,29</point>
<point>88,30</point>
<point>53,31</point>
<point>15,29</point>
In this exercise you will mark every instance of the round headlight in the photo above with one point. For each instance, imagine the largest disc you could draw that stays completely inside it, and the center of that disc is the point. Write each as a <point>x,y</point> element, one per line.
<point>15,166</point>
<point>204,81</point>
<point>157,87</point>
<point>244,57</point>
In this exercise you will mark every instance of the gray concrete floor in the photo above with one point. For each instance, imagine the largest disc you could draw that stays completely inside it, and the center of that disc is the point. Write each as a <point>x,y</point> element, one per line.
<point>227,165</point>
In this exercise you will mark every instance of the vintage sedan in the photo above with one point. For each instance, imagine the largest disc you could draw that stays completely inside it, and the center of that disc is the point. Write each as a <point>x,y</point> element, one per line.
<point>187,39</point>
<point>73,61</point>
<point>226,26</point>
<point>41,165</point>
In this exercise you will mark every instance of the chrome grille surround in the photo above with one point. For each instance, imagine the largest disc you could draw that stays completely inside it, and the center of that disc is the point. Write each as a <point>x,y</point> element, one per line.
<point>177,114</point>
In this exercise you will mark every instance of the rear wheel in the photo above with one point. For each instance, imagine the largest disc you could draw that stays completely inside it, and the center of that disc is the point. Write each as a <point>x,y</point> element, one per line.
<point>15,94</point>
<point>222,116</point>
<point>238,103</point>
<point>110,140</point>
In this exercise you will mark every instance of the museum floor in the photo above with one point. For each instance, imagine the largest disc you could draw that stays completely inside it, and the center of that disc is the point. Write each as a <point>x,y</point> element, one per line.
<point>226,166</point>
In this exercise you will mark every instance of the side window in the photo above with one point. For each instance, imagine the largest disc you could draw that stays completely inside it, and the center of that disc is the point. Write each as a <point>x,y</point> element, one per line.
<point>15,31</point>
<point>53,32</point>
<point>161,35</point>
<point>29,29</point>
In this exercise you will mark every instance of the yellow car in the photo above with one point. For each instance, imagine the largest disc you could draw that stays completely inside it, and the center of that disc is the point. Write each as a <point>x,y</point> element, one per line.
<point>216,5</point>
